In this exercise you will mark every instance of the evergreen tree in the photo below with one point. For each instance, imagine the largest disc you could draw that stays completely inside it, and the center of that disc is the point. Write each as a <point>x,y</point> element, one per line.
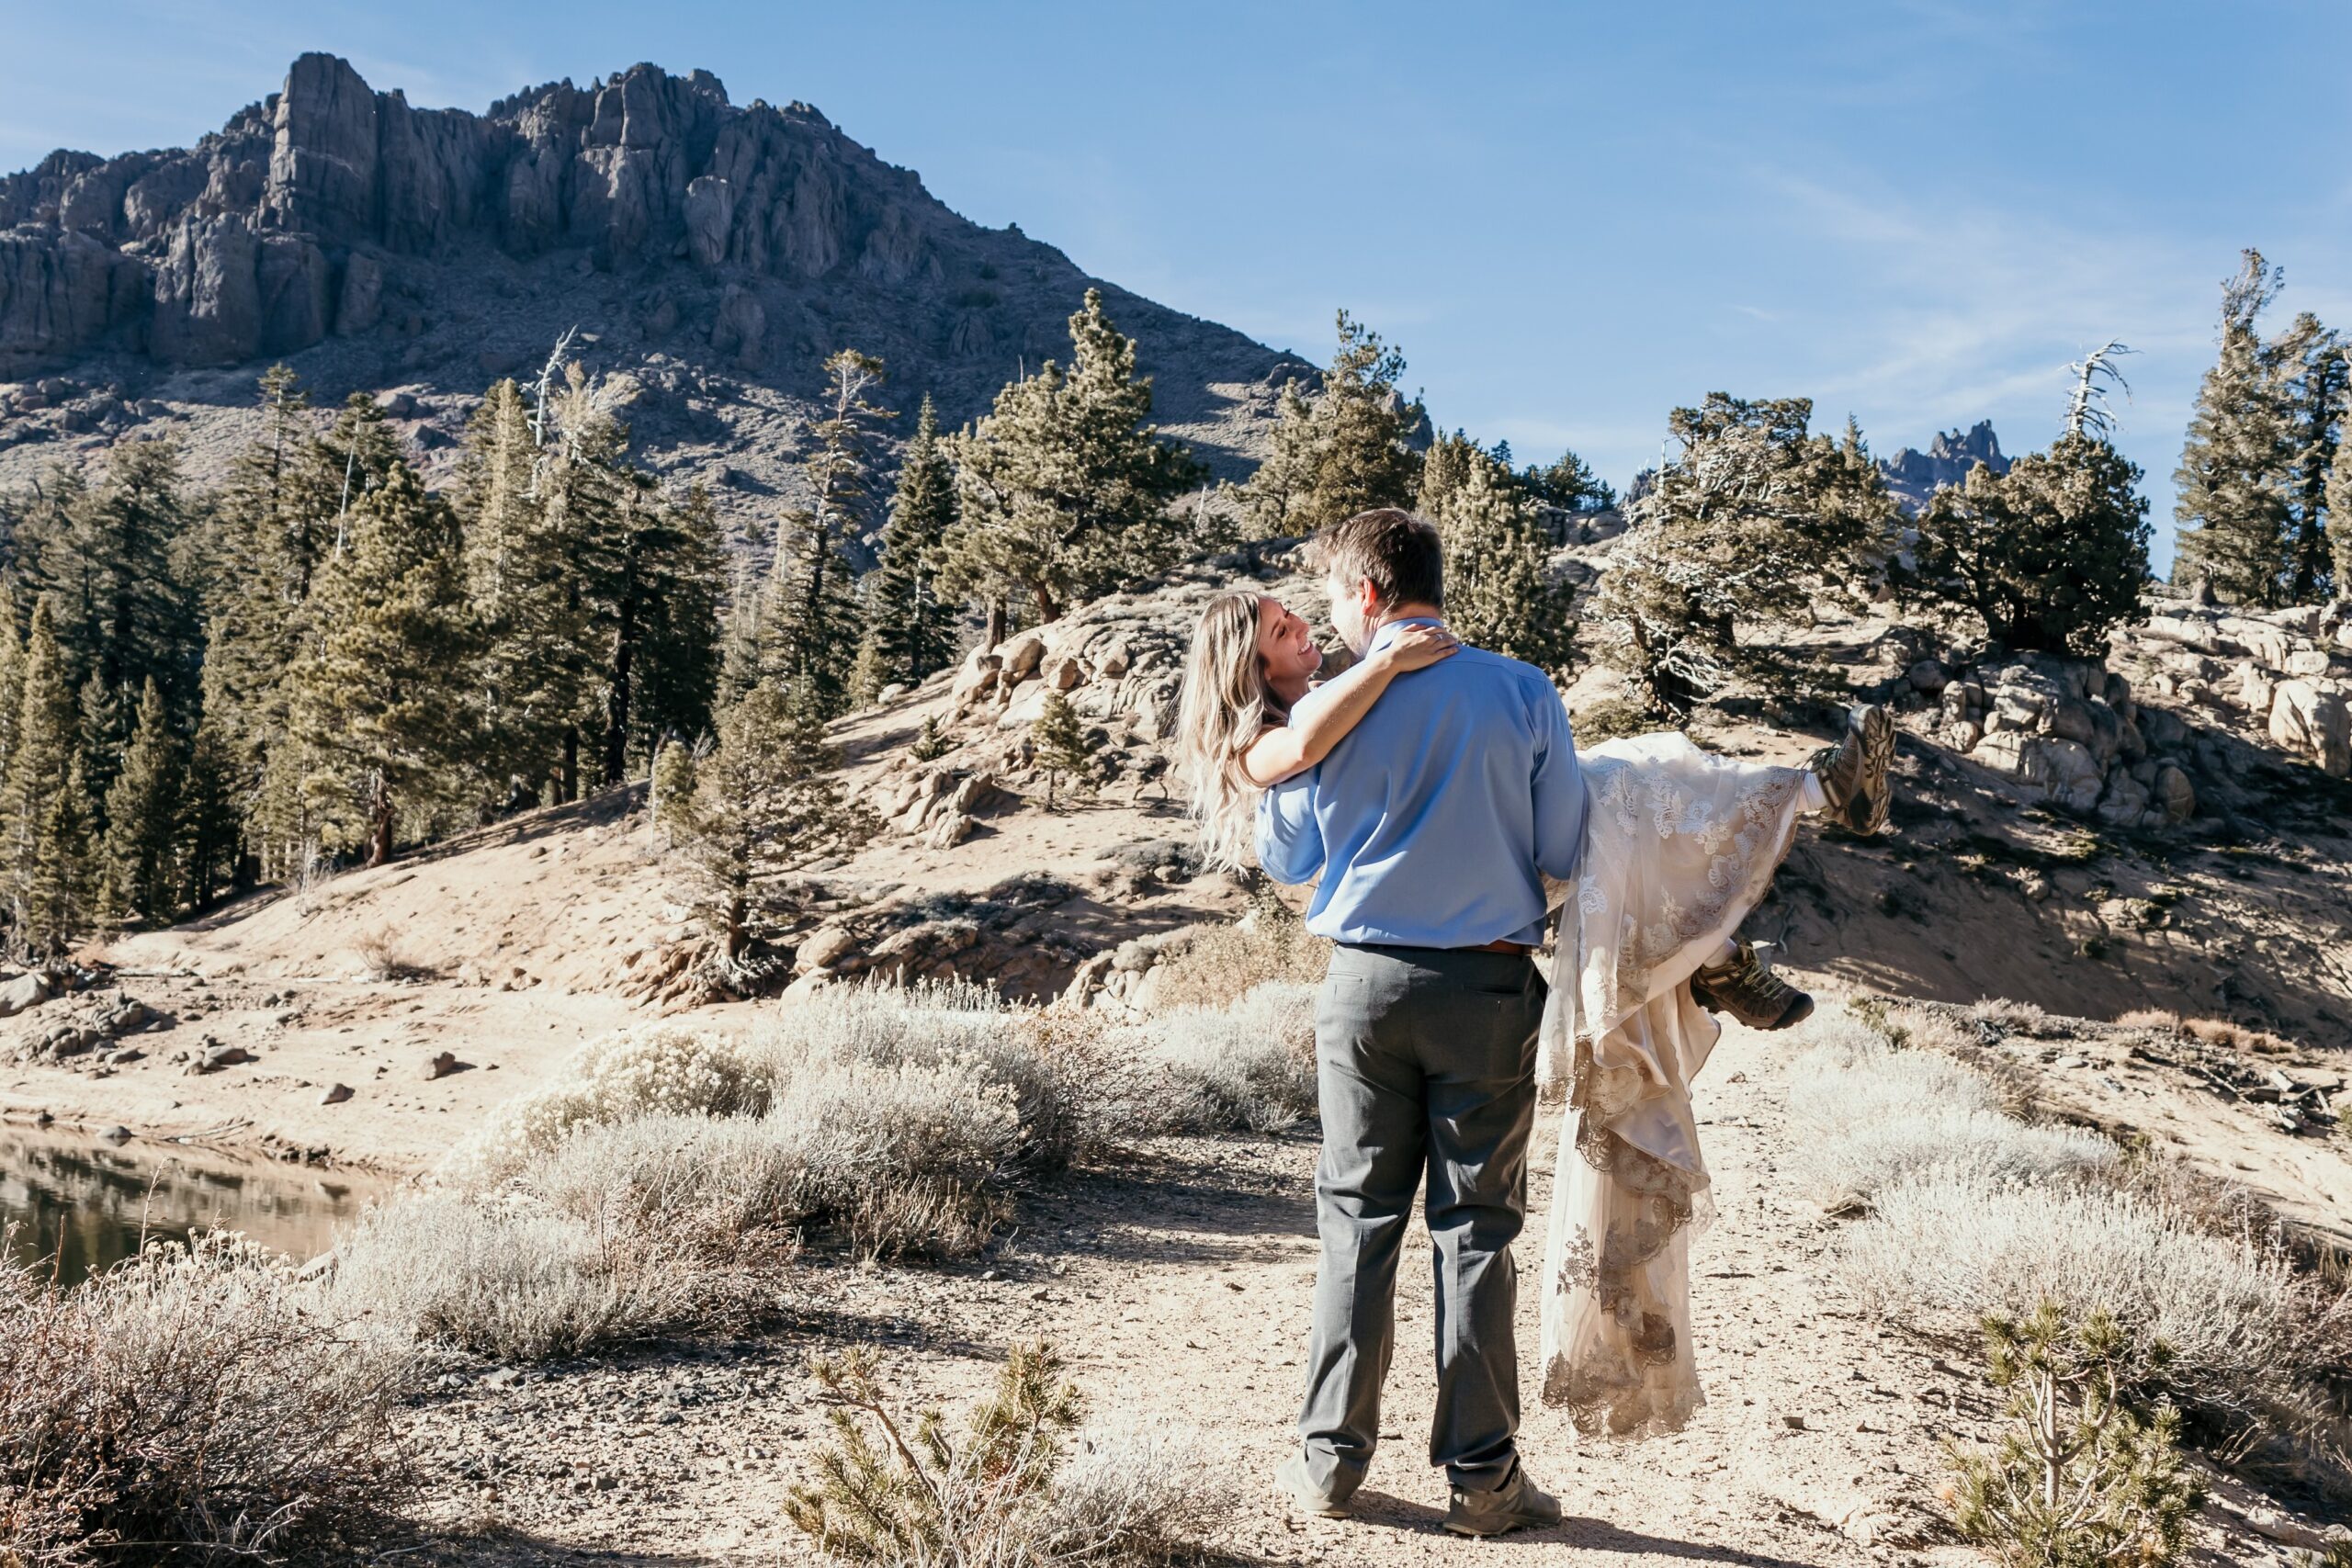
<point>931,742</point>
<point>811,618</point>
<point>663,669</point>
<point>12,689</point>
<point>105,558</point>
<point>2231,506</point>
<point>106,734</point>
<point>43,771</point>
<point>1348,451</point>
<point>1567,482</point>
<point>1500,591</point>
<point>2310,372</point>
<point>764,807</point>
<point>909,628</point>
<point>209,829</point>
<point>2050,556</point>
<point>1062,744</point>
<point>1063,490</point>
<point>1445,467</point>
<point>59,897</point>
<point>142,820</point>
<point>1750,527</point>
<point>378,704</point>
<point>359,454</point>
<point>2339,522</point>
<point>672,791</point>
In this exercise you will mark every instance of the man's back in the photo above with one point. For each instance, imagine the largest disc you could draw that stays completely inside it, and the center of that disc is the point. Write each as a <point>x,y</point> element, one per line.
<point>1430,823</point>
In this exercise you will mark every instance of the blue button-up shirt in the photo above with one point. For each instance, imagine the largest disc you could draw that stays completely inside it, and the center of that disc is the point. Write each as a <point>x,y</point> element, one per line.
<point>1429,822</point>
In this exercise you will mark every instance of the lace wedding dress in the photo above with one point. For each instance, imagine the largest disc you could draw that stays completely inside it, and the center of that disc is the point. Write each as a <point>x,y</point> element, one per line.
<point>1679,846</point>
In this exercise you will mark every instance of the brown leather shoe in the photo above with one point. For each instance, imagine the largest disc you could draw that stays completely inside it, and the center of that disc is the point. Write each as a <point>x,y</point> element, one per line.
<point>1742,986</point>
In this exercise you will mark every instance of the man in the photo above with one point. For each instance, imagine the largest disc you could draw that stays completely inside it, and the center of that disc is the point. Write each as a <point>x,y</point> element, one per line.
<point>1431,828</point>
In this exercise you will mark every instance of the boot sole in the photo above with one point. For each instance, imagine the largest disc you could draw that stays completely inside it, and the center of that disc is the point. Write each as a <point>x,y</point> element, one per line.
<point>1504,1527</point>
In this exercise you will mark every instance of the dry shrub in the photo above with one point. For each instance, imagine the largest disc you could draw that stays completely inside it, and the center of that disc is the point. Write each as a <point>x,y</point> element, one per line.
<point>1132,1499</point>
<point>2156,1021</point>
<point>1250,1065</point>
<point>507,1280</point>
<point>2251,1339</point>
<point>935,1024</point>
<point>665,1067</point>
<point>192,1404</point>
<point>2015,1018</point>
<point>384,956</point>
<point>2236,1037</point>
<point>1867,1115</point>
<point>1223,963</point>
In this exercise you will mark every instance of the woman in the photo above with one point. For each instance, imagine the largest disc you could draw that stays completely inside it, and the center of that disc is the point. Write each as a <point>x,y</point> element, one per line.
<point>1679,847</point>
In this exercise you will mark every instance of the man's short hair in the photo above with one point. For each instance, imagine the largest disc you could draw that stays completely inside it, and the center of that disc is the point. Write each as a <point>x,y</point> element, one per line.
<point>1396,550</point>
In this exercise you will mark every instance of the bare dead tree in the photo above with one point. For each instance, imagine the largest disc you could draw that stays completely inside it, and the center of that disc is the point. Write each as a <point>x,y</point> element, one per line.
<point>2095,374</point>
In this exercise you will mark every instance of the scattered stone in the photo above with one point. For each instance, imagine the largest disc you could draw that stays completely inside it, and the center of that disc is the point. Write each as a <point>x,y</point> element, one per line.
<point>443,1064</point>
<point>116,1134</point>
<point>28,990</point>
<point>336,1094</point>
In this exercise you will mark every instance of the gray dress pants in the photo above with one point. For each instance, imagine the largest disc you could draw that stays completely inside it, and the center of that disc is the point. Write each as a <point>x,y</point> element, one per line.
<point>1425,1063</point>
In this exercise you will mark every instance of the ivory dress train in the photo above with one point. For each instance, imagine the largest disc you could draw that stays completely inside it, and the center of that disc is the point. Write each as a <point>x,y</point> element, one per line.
<point>1679,846</point>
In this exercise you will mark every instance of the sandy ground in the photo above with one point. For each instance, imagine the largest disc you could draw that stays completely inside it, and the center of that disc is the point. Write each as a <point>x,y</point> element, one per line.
<point>1180,1287</point>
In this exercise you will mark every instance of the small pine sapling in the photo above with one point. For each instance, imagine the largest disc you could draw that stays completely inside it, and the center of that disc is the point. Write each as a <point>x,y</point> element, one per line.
<point>1063,745</point>
<point>918,1495</point>
<point>673,791</point>
<point>2081,1478</point>
<point>932,743</point>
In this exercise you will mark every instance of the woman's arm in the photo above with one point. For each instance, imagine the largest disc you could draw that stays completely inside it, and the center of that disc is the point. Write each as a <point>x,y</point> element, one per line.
<point>1280,752</point>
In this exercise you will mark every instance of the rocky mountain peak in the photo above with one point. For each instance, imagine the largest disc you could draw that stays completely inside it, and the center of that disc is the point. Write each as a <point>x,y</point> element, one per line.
<point>379,245</point>
<point>1915,475</point>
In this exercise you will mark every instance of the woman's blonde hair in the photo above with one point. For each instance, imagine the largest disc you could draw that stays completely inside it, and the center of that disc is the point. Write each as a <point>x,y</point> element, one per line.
<point>1225,702</point>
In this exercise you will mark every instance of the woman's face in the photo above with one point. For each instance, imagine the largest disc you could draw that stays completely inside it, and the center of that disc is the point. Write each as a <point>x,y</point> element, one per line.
<point>1286,648</point>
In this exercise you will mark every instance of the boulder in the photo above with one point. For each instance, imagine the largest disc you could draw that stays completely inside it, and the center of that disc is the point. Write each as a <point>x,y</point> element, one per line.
<point>25,991</point>
<point>1022,656</point>
<point>441,1065</point>
<point>360,305</point>
<point>1062,673</point>
<point>335,1094</point>
<point>710,216</point>
<point>975,679</point>
<point>1926,676</point>
<point>2313,719</point>
<point>824,948</point>
<point>741,328</point>
<point>952,829</point>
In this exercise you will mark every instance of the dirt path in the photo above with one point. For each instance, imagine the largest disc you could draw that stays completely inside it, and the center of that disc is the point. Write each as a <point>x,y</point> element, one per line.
<point>1179,1287</point>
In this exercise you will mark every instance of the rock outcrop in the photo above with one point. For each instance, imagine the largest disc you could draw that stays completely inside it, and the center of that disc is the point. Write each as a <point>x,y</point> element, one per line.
<point>2068,731</point>
<point>2286,673</point>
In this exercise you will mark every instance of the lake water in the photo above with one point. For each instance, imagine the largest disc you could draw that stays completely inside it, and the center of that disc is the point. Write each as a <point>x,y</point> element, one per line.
<point>86,1203</point>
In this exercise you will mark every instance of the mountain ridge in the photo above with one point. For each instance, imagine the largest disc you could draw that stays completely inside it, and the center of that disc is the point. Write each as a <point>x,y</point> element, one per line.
<point>714,250</point>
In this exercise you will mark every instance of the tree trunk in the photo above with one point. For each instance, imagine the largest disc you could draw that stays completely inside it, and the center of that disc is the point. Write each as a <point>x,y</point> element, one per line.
<point>617,699</point>
<point>379,826</point>
<point>568,781</point>
<point>995,634</point>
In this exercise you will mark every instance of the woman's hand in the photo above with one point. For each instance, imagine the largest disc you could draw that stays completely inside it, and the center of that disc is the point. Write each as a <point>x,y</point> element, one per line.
<point>1418,648</point>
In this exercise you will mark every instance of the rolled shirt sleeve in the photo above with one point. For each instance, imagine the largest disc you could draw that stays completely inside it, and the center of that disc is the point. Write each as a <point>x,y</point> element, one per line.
<point>1560,803</point>
<point>1289,840</point>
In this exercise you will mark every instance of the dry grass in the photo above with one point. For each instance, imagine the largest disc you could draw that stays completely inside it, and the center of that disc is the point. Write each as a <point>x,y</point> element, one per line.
<point>1867,1115</point>
<point>193,1405</point>
<point>384,956</point>
<point>1131,1498</point>
<point>1250,1065</point>
<point>1225,963</point>
<point>1973,1212</point>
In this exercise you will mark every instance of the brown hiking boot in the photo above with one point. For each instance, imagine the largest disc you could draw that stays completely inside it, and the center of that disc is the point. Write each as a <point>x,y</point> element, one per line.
<point>1742,987</point>
<point>1853,771</point>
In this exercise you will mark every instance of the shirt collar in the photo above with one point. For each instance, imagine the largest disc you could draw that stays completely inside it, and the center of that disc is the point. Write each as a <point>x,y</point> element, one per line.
<point>1384,636</point>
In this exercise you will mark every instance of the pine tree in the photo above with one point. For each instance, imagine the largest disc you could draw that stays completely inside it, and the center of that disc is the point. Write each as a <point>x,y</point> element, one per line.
<point>1062,489</point>
<point>1500,591</point>
<point>672,791</point>
<point>764,807</point>
<point>209,829</point>
<point>379,707</point>
<point>810,620</point>
<point>1348,451</point>
<point>908,626</point>
<point>1567,482</point>
<point>931,742</point>
<point>1750,527</point>
<point>359,454</point>
<point>2050,556</point>
<point>2339,520</point>
<point>2309,371</point>
<point>142,820</point>
<point>2231,506</point>
<point>43,771</point>
<point>106,734</point>
<point>1062,744</point>
<point>663,670</point>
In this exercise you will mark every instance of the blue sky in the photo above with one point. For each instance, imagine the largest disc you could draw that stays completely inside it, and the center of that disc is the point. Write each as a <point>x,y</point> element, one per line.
<point>1571,217</point>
